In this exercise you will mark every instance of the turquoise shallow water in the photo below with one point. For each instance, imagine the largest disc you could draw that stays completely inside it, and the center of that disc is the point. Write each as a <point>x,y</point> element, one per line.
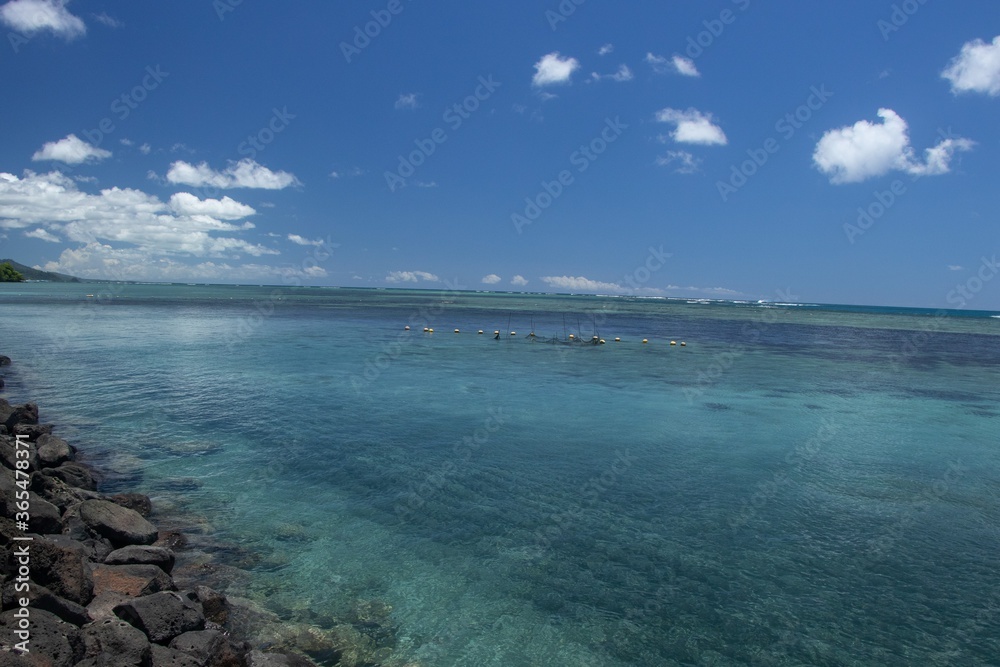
<point>796,486</point>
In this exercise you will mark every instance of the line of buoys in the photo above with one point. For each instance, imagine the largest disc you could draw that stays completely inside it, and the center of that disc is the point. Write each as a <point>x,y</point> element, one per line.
<point>596,340</point>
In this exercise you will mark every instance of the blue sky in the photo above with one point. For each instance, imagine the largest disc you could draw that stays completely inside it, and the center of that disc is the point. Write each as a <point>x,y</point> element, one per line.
<point>827,152</point>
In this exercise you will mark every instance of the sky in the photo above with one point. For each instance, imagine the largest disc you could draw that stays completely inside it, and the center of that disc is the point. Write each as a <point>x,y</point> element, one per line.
<point>799,150</point>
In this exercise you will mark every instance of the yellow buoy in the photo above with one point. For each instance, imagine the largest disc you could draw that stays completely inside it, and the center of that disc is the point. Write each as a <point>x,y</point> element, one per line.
<point>430,331</point>
<point>618,340</point>
<point>601,341</point>
<point>496,333</point>
<point>673,342</point>
<point>571,336</point>
<point>456,331</point>
<point>644,341</point>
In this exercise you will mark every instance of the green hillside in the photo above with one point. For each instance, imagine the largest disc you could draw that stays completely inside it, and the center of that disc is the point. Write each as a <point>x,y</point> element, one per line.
<point>34,274</point>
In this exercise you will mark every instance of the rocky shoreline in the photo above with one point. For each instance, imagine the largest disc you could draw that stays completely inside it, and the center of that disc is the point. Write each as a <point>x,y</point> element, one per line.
<point>86,578</point>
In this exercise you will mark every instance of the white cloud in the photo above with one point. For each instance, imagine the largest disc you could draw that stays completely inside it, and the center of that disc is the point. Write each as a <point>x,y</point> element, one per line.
<point>675,65</point>
<point>411,277</point>
<point>32,16</point>
<point>954,267</point>
<point>552,69</point>
<point>107,20</point>
<point>685,66</point>
<point>580,284</point>
<point>243,174</point>
<point>623,74</point>
<point>976,69</point>
<point>184,226</point>
<point>102,261</point>
<point>301,240</point>
<point>693,127</point>
<point>606,49</point>
<point>43,235</point>
<point>126,142</point>
<point>520,281</point>
<point>145,149</point>
<point>685,163</point>
<point>491,279</point>
<point>407,101</point>
<point>864,150</point>
<point>184,203</point>
<point>71,150</point>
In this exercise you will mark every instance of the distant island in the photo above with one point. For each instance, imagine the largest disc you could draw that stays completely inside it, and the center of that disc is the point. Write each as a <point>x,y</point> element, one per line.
<point>15,272</point>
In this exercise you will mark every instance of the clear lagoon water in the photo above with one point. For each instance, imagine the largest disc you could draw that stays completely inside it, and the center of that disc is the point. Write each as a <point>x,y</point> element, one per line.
<point>798,485</point>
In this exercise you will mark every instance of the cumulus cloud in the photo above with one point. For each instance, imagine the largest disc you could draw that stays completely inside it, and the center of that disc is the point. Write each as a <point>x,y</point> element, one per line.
<point>243,174</point>
<point>102,261</point>
<point>411,277</point>
<point>184,203</point>
<point>865,150</point>
<point>693,127</point>
<point>685,66</point>
<point>71,150</point>
<point>675,65</point>
<point>606,49</point>
<point>183,226</point>
<point>623,74</point>
<point>554,69</point>
<point>491,279</point>
<point>43,235</point>
<point>407,101</point>
<point>580,284</point>
<point>682,161</point>
<point>976,69</point>
<point>520,281</point>
<point>301,240</point>
<point>33,16</point>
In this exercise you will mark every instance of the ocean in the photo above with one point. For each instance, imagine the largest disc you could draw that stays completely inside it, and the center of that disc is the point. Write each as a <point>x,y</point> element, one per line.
<point>796,484</point>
